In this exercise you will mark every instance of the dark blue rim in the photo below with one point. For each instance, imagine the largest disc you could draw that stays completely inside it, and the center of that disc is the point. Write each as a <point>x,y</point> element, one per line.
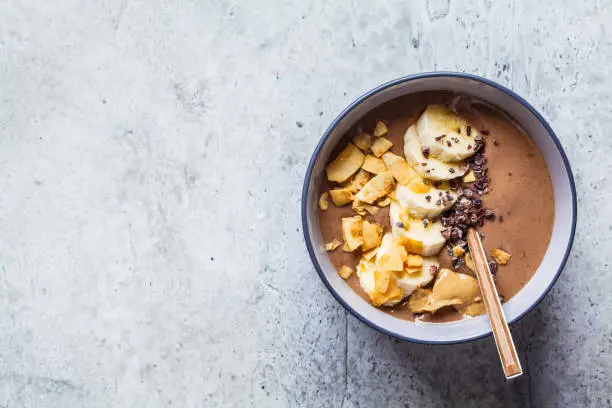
<point>408,78</point>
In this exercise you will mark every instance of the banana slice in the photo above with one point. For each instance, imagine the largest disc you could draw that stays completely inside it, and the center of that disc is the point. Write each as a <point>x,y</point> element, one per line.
<point>448,136</point>
<point>408,282</point>
<point>429,167</point>
<point>418,238</point>
<point>407,279</point>
<point>425,201</point>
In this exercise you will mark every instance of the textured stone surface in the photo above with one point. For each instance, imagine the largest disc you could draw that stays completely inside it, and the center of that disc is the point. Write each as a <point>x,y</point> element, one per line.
<point>151,160</point>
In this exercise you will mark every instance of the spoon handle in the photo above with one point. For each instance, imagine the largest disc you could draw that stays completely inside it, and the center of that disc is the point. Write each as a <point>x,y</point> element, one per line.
<point>501,331</point>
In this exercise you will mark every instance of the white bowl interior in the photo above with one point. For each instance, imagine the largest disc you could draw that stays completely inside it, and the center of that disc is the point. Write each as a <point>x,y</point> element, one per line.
<point>562,230</point>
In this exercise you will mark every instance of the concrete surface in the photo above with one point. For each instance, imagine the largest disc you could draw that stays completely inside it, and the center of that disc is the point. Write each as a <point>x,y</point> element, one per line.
<point>151,161</point>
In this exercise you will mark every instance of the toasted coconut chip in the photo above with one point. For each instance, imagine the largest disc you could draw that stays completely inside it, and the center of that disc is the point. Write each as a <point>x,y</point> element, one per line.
<point>363,141</point>
<point>341,196</point>
<point>391,255</point>
<point>384,202</point>
<point>331,246</point>
<point>323,204</point>
<point>352,233</point>
<point>414,260</point>
<point>458,251</point>
<point>345,272</point>
<point>412,245</point>
<point>399,167</point>
<point>374,164</point>
<point>470,177</point>
<point>346,164</point>
<point>500,256</point>
<point>391,296</point>
<point>380,129</point>
<point>362,208</point>
<point>372,235</point>
<point>376,188</point>
<point>380,146</point>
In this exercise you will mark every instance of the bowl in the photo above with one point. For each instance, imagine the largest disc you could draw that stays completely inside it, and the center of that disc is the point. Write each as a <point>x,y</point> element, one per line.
<point>540,132</point>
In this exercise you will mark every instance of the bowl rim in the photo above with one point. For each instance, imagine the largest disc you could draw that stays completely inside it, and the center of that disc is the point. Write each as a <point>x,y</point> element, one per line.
<point>382,87</point>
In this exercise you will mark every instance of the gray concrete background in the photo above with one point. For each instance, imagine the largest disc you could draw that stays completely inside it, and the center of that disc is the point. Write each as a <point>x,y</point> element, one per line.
<point>151,161</point>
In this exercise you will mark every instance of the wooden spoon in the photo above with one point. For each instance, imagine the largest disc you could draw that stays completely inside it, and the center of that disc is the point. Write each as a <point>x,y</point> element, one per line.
<point>501,332</point>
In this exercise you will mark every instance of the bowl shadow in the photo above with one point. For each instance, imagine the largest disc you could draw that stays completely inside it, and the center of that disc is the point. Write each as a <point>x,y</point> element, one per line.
<point>462,375</point>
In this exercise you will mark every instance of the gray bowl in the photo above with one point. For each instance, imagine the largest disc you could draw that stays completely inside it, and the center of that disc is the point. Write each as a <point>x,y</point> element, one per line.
<point>564,194</point>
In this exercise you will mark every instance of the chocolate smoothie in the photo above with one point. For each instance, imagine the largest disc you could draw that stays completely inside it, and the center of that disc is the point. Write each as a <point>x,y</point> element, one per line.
<point>520,194</point>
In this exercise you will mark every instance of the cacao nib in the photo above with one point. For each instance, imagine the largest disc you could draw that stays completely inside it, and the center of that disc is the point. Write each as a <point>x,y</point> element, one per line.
<point>425,151</point>
<point>458,263</point>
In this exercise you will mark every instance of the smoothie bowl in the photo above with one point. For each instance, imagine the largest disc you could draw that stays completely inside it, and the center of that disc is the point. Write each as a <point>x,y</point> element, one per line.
<point>400,176</point>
